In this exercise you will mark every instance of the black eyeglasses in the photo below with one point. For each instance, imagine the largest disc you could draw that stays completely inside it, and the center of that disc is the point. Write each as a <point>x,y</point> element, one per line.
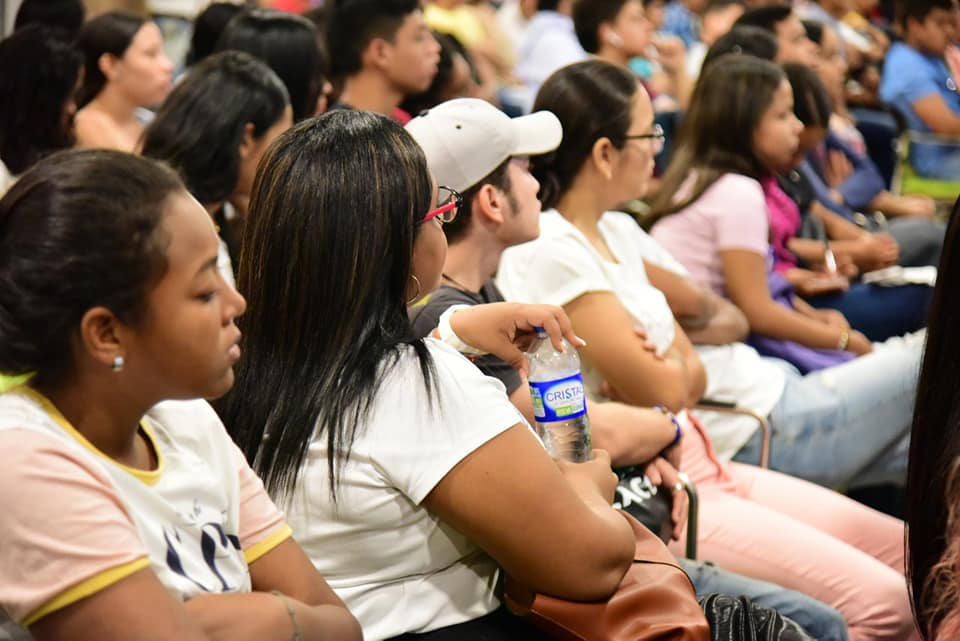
<point>656,135</point>
<point>449,202</point>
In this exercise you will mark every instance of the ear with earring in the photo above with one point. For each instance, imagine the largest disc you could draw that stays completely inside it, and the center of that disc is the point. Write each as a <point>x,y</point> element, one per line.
<point>416,294</point>
<point>117,363</point>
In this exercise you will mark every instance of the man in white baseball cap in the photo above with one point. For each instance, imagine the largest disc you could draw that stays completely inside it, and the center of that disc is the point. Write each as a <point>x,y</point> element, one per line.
<point>466,139</point>
<point>475,149</point>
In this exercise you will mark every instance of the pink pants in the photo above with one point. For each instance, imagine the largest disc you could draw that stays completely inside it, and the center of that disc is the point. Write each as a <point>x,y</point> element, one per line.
<point>777,528</point>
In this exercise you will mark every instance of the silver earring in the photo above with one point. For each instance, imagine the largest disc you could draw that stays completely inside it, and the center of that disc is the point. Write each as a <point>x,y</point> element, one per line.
<point>417,281</point>
<point>117,363</point>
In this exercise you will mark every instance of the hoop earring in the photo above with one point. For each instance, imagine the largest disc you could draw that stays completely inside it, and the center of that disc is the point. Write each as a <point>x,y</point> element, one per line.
<point>417,293</point>
<point>117,363</point>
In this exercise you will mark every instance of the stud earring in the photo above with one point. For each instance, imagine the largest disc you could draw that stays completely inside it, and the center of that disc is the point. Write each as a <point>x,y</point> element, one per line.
<point>118,363</point>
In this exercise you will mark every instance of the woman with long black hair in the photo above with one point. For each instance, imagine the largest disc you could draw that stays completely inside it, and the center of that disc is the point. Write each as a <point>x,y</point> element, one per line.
<point>933,476</point>
<point>409,476</point>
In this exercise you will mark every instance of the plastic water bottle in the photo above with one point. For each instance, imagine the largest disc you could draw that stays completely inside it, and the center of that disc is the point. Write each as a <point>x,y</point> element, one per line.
<point>559,400</point>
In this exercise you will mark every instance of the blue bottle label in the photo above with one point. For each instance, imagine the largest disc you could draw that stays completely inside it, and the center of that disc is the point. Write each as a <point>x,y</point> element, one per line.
<point>558,400</point>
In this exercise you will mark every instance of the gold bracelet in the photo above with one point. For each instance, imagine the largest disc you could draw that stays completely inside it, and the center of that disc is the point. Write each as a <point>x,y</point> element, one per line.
<point>293,615</point>
<point>844,340</point>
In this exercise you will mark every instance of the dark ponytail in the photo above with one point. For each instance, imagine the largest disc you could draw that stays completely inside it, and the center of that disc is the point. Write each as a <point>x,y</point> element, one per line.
<point>77,231</point>
<point>593,100</point>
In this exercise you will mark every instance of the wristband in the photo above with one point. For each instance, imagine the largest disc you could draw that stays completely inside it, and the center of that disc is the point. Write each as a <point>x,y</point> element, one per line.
<point>446,334</point>
<point>676,424</point>
<point>293,615</point>
<point>844,340</point>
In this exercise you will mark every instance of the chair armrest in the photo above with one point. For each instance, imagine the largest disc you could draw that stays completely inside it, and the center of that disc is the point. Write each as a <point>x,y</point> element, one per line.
<point>722,407</point>
<point>693,513</point>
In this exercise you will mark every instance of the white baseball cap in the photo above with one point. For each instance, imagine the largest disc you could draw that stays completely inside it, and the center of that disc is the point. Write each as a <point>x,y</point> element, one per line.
<point>465,139</point>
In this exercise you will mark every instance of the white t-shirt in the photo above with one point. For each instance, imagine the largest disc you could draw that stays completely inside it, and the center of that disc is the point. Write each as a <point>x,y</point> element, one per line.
<point>76,522</point>
<point>562,265</point>
<point>397,567</point>
<point>736,373</point>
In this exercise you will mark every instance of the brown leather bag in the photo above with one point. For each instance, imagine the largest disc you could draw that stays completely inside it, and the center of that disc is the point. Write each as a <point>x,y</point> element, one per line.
<point>655,602</point>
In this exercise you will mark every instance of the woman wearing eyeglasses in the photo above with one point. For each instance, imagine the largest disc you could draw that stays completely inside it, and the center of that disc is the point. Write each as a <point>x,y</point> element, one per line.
<point>408,476</point>
<point>606,273</point>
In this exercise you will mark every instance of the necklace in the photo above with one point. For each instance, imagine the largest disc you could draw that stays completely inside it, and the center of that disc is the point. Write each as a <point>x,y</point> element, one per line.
<point>457,284</point>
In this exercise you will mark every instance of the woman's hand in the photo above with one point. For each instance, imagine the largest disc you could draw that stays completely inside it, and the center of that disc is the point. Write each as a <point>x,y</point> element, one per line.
<point>815,284</point>
<point>593,479</point>
<point>666,477</point>
<point>837,168</point>
<point>507,329</point>
<point>859,344</point>
<point>671,53</point>
<point>831,317</point>
<point>875,251</point>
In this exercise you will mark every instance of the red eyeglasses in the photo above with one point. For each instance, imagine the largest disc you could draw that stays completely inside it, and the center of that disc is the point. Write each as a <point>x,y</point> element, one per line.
<point>450,203</point>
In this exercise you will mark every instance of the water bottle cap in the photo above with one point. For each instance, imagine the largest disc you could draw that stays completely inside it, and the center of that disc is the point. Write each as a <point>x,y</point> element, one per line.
<point>541,332</point>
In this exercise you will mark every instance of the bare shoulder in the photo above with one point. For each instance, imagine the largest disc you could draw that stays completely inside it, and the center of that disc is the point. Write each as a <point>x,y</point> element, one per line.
<point>96,129</point>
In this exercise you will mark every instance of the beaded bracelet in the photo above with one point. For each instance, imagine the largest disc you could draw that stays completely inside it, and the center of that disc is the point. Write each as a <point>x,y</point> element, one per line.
<point>293,615</point>
<point>676,424</point>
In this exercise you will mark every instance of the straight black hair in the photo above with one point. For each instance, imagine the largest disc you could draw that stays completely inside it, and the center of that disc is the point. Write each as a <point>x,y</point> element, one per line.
<point>34,95</point>
<point>918,10</point>
<point>355,23</point>
<point>200,126</point>
<point>207,29</point>
<point>109,33</point>
<point>588,15</point>
<point>60,14</point>
<point>80,229</point>
<point>288,44</point>
<point>325,266</point>
<point>747,41</point>
<point>767,17</point>
<point>935,450</point>
<point>593,100</point>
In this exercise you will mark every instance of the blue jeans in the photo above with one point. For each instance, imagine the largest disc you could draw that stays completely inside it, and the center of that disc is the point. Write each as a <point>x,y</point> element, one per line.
<point>819,620</point>
<point>848,425</point>
<point>880,312</point>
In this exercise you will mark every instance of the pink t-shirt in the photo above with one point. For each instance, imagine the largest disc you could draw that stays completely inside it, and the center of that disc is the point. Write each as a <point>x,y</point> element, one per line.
<point>731,214</point>
<point>76,522</point>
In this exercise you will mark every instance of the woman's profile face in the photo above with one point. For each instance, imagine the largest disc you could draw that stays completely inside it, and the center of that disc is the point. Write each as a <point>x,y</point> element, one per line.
<point>187,343</point>
<point>429,254</point>
<point>144,72</point>
<point>777,136</point>
<point>635,164</point>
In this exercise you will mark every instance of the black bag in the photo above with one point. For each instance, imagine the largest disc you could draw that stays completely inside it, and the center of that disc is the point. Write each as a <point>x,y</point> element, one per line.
<point>740,619</point>
<point>644,501</point>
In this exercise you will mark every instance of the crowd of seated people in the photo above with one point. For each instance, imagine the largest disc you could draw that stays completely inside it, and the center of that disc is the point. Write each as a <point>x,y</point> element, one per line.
<point>268,271</point>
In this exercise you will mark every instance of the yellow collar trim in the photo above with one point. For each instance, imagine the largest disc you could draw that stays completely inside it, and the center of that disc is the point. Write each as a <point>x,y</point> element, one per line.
<point>149,477</point>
